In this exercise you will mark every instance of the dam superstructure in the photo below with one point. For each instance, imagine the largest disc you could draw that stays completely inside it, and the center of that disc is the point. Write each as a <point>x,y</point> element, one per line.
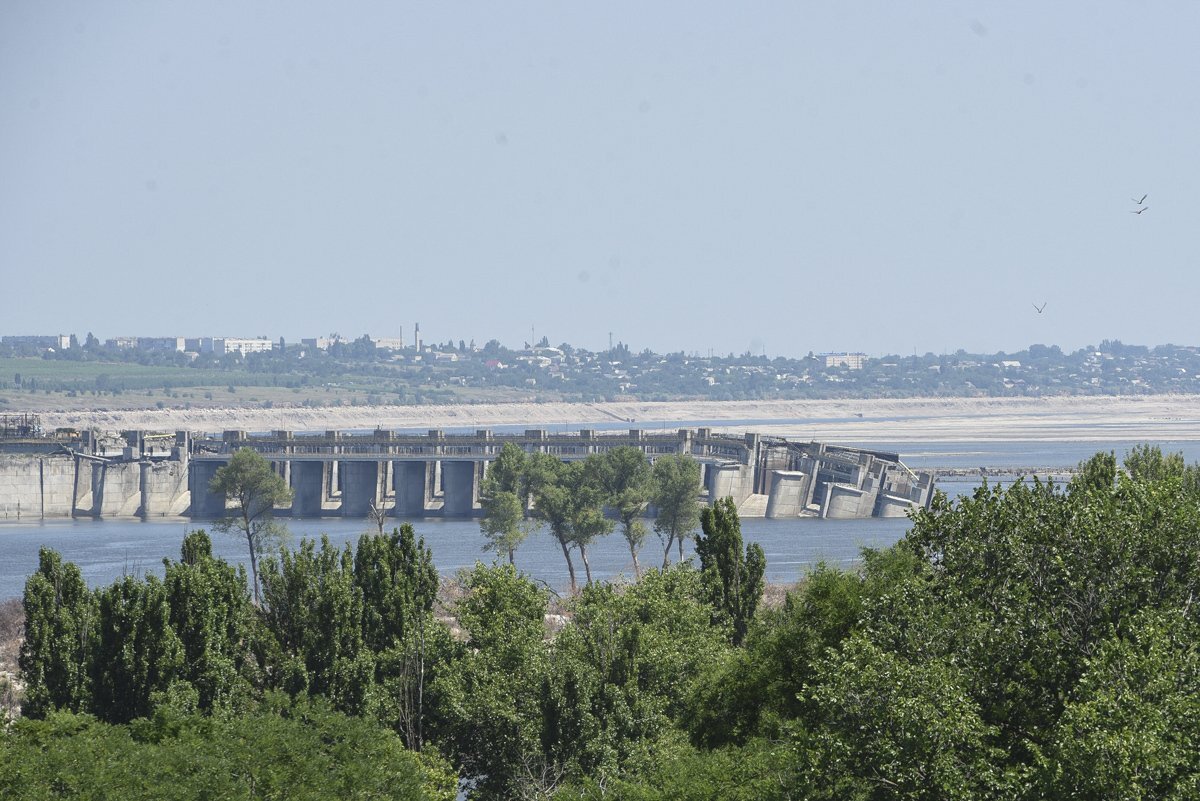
<point>346,474</point>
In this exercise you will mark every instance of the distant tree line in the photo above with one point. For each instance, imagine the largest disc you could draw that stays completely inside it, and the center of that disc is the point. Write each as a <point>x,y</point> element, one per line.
<point>406,377</point>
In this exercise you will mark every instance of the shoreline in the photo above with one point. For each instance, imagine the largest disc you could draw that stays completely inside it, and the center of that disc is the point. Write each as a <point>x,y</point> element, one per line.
<point>1069,419</point>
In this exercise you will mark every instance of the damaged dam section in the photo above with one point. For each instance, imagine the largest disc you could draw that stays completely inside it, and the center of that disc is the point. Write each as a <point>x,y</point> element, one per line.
<point>339,474</point>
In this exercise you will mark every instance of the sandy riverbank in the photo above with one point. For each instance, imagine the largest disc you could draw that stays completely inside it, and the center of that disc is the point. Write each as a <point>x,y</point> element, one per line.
<point>1100,419</point>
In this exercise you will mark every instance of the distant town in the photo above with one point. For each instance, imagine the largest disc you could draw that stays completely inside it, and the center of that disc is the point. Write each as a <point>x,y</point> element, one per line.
<point>335,370</point>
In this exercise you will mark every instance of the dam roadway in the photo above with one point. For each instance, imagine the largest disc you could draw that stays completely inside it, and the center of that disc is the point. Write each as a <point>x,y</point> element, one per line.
<point>334,473</point>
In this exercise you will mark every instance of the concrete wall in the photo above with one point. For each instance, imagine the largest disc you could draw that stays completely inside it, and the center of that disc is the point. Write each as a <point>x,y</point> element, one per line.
<point>763,477</point>
<point>411,487</point>
<point>789,494</point>
<point>892,506</point>
<point>204,503</point>
<point>730,480</point>
<point>845,501</point>
<point>308,488</point>
<point>164,489</point>
<point>360,487</point>
<point>121,492</point>
<point>58,486</point>
<point>461,488</point>
<point>33,486</point>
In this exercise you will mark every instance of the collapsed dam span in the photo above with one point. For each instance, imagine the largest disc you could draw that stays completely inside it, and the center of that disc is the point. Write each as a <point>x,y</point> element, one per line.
<point>436,474</point>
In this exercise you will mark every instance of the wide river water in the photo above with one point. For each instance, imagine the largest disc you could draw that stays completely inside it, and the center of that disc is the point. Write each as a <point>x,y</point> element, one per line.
<point>108,549</point>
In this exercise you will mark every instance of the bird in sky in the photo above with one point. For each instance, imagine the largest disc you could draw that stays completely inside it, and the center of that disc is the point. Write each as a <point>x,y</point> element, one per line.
<point>1139,211</point>
<point>1140,201</point>
<point>1040,308</point>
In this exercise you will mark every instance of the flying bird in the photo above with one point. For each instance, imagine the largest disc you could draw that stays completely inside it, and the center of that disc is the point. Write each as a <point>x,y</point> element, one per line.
<point>1139,211</point>
<point>1040,308</point>
<point>1141,201</point>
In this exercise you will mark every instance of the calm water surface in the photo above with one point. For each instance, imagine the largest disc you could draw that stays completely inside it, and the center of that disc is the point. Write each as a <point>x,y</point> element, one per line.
<point>108,549</point>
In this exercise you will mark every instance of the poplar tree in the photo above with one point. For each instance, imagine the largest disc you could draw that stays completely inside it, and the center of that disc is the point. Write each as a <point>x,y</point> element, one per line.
<point>732,577</point>
<point>59,625</point>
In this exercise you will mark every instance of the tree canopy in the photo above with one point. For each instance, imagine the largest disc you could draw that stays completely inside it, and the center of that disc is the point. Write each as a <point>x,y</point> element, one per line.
<point>1027,641</point>
<point>255,490</point>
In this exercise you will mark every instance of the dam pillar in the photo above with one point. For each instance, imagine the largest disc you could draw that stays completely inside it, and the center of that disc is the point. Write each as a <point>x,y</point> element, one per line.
<point>164,488</point>
<point>308,488</point>
<point>844,501</point>
<point>730,479</point>
<point>411,487</point>
<point>360,487</point>
<point>892,506</point>
<point>205,503</point>
<point>787,497</point>
<point>461,488</point>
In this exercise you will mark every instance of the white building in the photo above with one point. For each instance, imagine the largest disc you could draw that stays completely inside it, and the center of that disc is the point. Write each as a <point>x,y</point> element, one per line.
<point>226,345</point>
<point>852,361</point>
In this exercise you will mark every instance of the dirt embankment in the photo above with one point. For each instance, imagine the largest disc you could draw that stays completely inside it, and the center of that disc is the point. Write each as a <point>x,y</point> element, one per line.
<point>12,621</point>
<point>1151,418</point>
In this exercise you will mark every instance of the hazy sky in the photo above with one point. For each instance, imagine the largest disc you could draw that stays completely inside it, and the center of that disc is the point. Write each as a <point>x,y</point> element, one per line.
<point>689,176</point>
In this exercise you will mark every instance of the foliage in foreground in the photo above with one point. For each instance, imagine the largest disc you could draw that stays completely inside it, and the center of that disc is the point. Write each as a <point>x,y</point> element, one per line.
<point>1026,642</point>
<point>281,750</point>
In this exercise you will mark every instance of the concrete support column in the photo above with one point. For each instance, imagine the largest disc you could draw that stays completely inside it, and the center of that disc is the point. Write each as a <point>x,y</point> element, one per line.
<point>412,488</point>
<point>844,501</point>
<point>308,488</point>
<point>461,488</point>
<point>787,496</point>
<point>83,504</point>
<point>730,480</point>
<point>360,488</point>
<point>205,504</point>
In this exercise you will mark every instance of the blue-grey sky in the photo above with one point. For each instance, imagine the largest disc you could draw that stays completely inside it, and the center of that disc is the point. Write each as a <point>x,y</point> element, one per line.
<point>778,177</point>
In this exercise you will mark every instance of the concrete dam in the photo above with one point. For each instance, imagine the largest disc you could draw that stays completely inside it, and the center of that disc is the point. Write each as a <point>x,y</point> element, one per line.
<point>342,474</point>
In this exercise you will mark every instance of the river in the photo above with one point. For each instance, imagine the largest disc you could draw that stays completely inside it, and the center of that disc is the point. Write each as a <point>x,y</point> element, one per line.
<point>108,549</point>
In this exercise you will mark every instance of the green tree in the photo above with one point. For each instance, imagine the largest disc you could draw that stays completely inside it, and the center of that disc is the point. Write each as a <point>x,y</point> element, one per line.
<point>676,487</point>
<point>762,688</point>
<point>555,505</point>
<point>256,490</point>
<point>1148,463</point>
<point>398,581</point>
<point>315,610</point>
<point>488,698</point>
<point>508,472</point>
<point>60,615</point>
<point>569,498</point>
<point>504,495</point>
<point>137,654</point>
<point>898,729</point>
<point>211,613</point>
<point>619,674</point>
<point>399,586</point>
<point>733,578</point>
<point>585,483</point>
<point>1099,472</point>
<point>627,479</point>
<point>1132,726</point>
<point>286,749</point>
<point>503,524</point>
